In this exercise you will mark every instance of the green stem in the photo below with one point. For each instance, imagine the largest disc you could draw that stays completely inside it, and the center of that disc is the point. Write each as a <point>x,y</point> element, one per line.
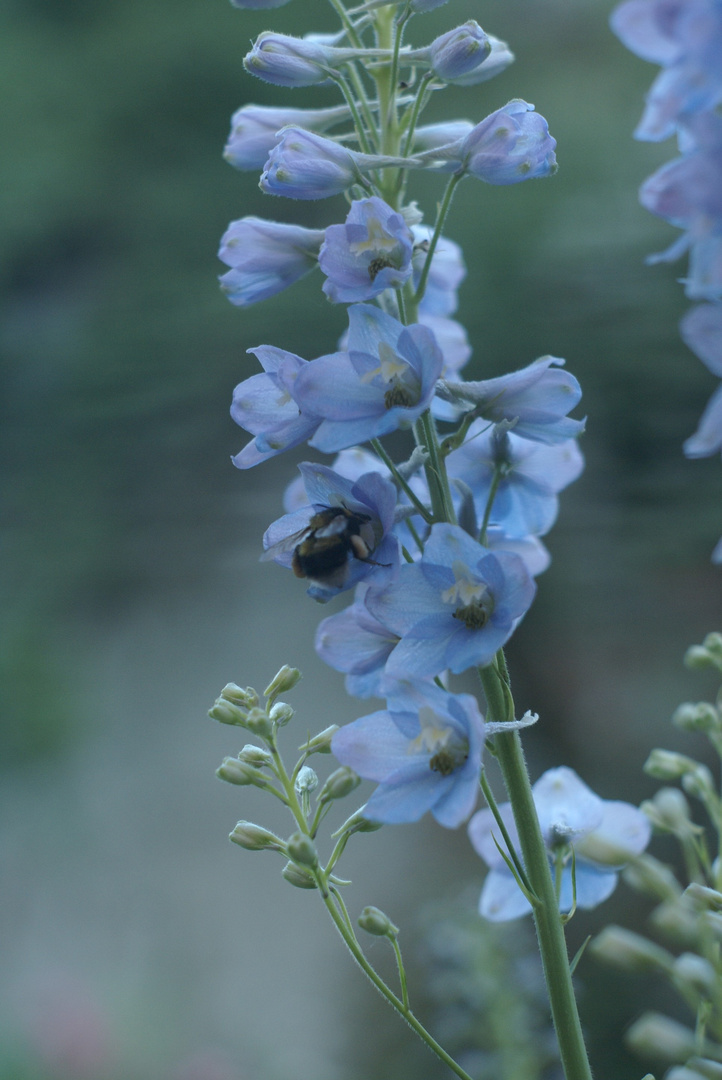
<point>402,971</point>
<point>351,102</point>
<point>489,504</point>
<point>549,928</point>
<point>414,499</point>
<point>348,26</point>
<point>435,469</point>
<point>440,219</point>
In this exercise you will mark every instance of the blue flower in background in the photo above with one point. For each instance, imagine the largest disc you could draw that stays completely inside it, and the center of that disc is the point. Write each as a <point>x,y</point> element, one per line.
<point>424,751</point>
<point>370,252</point>
<point>265,257</point>
<point>455,607</point>
<point>265,406</point>
<point>343,535</point>
<point>254,130</point>
<point>701,330</point>
<point>384,382</point>
<point>358,645</point>
<point>605,835</point>
<point>525,502</point>
<point>533,401</point>
<point>447,272</point>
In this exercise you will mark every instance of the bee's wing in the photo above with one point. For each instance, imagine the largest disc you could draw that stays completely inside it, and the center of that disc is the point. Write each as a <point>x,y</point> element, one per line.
<point>285,546</point>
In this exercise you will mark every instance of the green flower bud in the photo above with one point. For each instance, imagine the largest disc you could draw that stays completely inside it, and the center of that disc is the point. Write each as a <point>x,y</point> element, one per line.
<point>259,723</point>
<point>248,698</point>
<point>281,713</point>
<point>696,973</point>
<point>696,717</point>
<point>358,823</point>
<point>648,875</point>
<point>255,755</point>
<point>282,681</point>
<point>657,1036</point>
<point>296,875</point>
<point>703,898</point>
<point>238,772</point>
<point>712,921</point>
<point>705,1068</point>
<point>697,658</point>
<point>629,951</point>
<point>321,743</point>
<point>302,849</point>
<point>255,838</point>
<point>339,784</point>
<point>683,1072</point>
<point>225,713</point>
<point>698,782</point>
<point>666,765</point>
<point>676,922</point>
<point>306,781</point>
<point>375,922</point>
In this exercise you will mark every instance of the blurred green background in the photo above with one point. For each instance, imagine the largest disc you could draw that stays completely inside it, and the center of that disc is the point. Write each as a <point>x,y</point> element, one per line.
<point>133,941</point>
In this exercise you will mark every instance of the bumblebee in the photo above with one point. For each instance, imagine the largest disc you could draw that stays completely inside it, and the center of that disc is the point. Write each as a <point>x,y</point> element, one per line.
<point>322,549</point>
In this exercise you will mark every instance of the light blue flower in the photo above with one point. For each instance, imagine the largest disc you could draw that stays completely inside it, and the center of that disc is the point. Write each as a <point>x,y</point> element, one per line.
<point>455,608</point>
<point>291,61</point>
<point>254,130</point>
<point>604,834</point>
<point>265,257</point>
<point>424,751</point>
<point>497,61</point>
<point>447,272</point>
<point>701,330</point>
<point>384,382</point>
<point>346,528</point>
<point>265,406</point>
<point>525,501</point>
<point>355,643</point>
<point>370,252</point>
<point>351,463</point>
<point>458,52</point>
<point>510,145</point>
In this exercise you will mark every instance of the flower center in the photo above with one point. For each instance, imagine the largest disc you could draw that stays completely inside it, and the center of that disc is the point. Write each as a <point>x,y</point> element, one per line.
<point>402,386</point>
<point>473,600</point>
<point>446,750</point>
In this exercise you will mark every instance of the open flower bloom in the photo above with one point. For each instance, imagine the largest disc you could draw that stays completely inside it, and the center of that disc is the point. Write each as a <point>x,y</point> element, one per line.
<point>604,834</point>
<point>343,534</point>
<point>370,252</point>
<point>384,382</point>
<point>265,257</point>
<point>358,645</point>
<point>424,751</point>
<point>455,607</point>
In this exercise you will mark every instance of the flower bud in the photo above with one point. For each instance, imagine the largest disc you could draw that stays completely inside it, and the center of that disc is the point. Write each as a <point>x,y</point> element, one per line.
<point>225,713</point>
<point>510,145</point>
<point>258,722</point>
<point>307,780</point>
<point>296,875</point>
<point>255,838</point>
<point>358,823</point>
<point>708,654</point>
<point>459,51</point>
<point>705,1069</point>
<point>657,1036</point>
<point>712,921</point>
<point>281,713</point>
<point>699,716</point>
<point>255,755</point>
<point>339,784</point>
<point>676,922</point>
<point>303,165</point>
<point>375,922</point>
<point>684,1072</point>
<point>713,644</point>
<point>648,875</point>
<point>703,898</point>
<point>694,972</point>
<point>667,765</point>
<point>238,696</point>
<point>629,951</point>
<point>288,61</point>
<point>302,849</point>
<point>237,772</point>
<point>282,681</point>
<point>321,743</point>
<point>698,782</point>
<point>497,61</point>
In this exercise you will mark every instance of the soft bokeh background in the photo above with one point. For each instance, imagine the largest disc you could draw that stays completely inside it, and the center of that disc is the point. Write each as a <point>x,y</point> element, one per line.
<point>135,942</point>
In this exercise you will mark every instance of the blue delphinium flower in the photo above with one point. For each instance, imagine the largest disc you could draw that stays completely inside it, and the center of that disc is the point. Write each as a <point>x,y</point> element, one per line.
<point>424,750</point>
<point>603,833</point>
<point>447,272</point>
<point>384,382</point>
<point>455,607</point>
<point>529,475</point>
<point>370,252</point>
<point>303,165</point>
<point>265,257</point>
<point>342,536</point>
<point>265,406</point>
<point>459,51</point>
<point>356,644</point>
<point>510,145</point>
<point>497,61</point>
<point>254,130</point>
<point>701,330</point>
<point>291,61</point>
<point>351,463</point>
<point>534,400</point>
<point>687,192</point>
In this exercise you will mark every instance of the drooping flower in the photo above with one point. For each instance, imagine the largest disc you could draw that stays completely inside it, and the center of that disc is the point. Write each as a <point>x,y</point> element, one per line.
<point>534,401</point>
<point>370,252</point>
<point>528,476</point>
<point>265,257</point>
<point>265,406</point>
<point>510,145</point>
<point>424,751</point>
<point>604,834</point>
<point>291,61</point>
<point>342,536</point>
<point>384,382</point>
<point>455,608</point>
<point>254,130</point>
<point>701,330</point>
